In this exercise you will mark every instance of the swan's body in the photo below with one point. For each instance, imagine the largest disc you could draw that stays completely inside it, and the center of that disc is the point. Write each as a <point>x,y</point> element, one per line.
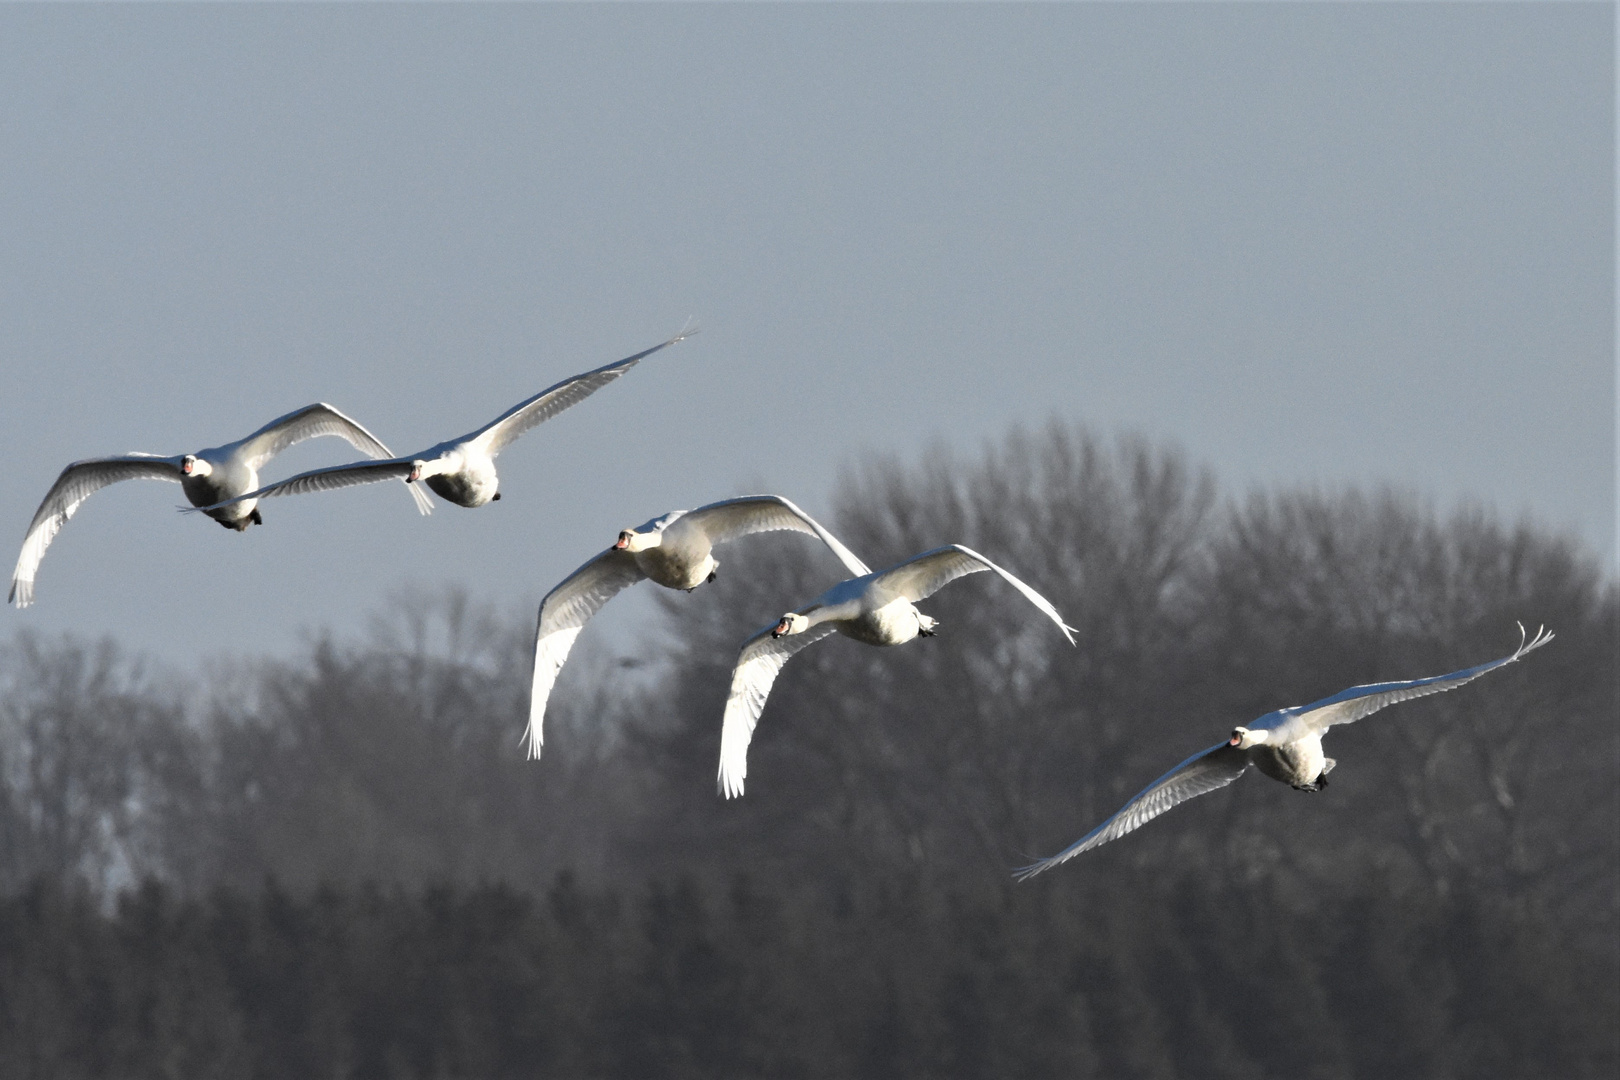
<point>1286,745</point>
<point>675,551</point>
<point>461,471</point>
<point>875,609</point>
<point>213,479</point>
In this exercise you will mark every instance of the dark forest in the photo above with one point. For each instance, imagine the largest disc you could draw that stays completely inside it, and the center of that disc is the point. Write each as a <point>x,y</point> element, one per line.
<point>342,866</point>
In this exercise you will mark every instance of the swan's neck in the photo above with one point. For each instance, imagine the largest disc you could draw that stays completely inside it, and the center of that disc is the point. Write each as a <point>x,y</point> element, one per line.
<point>797,622</point>
<point>1243,737</point>
<point>816,614</point>
<point>644,541</point>
<point>442,465</point>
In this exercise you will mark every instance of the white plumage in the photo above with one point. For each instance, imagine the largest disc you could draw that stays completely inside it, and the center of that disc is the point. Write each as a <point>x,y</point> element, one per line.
<point>675,551</point>
<point>213,479</point>
<point>876,609</point>
<point>460,470</point>
<point>1286,745</point>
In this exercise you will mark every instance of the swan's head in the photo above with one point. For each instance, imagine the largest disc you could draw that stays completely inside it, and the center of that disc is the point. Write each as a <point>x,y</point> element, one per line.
<point>791,623</point>
<point>192,465</point>
<point>1243,738</point>
<point>632,541</point>
<point>416,471</point>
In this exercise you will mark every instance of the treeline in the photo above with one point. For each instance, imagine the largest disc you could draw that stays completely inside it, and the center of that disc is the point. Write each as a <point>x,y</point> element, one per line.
<point>1188,977</point>
<point>1465,855</point>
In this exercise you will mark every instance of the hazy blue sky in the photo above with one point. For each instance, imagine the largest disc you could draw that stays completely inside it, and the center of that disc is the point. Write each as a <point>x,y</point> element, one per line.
<point>1308,243</point>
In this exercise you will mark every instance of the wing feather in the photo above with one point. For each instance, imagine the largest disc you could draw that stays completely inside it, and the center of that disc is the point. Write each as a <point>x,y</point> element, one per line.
<point>1348,706</point>
<point>563,614</point>
<point>923,575</point>
<point>1200,774</point>
<point>731,518</point>
<point>760,661</point>
<point>77,483</point>
<point>313,421</point>
<point>330,478</point>
<point>553,400</point>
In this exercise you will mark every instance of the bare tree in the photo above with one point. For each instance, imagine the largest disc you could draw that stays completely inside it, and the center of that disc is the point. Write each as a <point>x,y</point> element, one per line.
<point>80,727</point>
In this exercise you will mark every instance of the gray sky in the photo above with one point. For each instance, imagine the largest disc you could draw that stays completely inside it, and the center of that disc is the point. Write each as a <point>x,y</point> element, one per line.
<point>1308,243</point>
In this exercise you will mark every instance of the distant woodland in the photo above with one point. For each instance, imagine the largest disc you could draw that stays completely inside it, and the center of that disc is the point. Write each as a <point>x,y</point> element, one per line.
<point>342,865</point>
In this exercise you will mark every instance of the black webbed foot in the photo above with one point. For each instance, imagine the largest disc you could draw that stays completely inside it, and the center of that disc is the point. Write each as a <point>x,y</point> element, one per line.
<point>255,517</point>
<point>927,633</point>
<point>712,575</point>
<point>495,497</point>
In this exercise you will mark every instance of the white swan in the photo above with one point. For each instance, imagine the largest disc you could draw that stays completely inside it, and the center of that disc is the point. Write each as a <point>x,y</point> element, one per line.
<point>676,552</point>
<point>876,609</point>
<point>461,470</point>
<point>207,477</point>
<point>1286,745</point>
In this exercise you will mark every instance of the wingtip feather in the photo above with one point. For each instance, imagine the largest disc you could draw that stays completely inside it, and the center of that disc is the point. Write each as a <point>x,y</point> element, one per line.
<point>1024,873</point>
<point>533,738</point>
<point>729,786</point>
<point>1543,635</point>
<point>733,766</point>
<point>424,505</point>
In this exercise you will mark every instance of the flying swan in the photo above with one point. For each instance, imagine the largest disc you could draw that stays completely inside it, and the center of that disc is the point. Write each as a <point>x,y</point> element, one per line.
<point>461,470</point>
<point>676,552</point>
<point>875,609</point>
<point>213,479</point>
<point>1286,745</point>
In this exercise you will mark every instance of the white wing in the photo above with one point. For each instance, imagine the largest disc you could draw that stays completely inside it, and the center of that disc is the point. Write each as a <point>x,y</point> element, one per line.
<point>549,402</point>
<point>563,614</point>
<point>313,421</point>
<point>727,520</point>
<point>1203,772</point>
<point>923,575</point>
<point>327,479</point>
<point>77,483</point>
<point>309,422</point>
<point>760,661</point>
<point>1351,705</point>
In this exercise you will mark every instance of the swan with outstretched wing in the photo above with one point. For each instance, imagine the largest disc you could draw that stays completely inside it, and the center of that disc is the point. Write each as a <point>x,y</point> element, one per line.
<point>1286,745</point>
<point>875,609</point>
<point>216,480</point>
<point>675,551</point>
<point>461,471</point>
